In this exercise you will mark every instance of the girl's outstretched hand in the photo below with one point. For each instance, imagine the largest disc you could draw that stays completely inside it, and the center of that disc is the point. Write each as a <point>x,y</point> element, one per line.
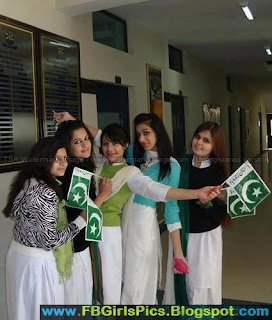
<point>208,193</point>
<point>60,117</point>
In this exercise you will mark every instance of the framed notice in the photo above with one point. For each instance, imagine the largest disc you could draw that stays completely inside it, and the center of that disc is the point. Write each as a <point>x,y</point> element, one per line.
<point>39,74</point>
<point>60,73</point>
<point>154,89</point>
<point>18,119</point>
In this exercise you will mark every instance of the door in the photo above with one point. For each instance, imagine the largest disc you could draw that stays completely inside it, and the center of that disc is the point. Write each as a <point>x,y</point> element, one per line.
<point>178,125</point>
<point>235,145</point>
<point>242,114</point>
<point>260,124</point>
<point>269,130</point>
<point>112,105</point>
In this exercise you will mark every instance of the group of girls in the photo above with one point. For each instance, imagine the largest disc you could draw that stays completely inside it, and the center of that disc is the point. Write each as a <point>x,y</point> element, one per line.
<point>38,269</point>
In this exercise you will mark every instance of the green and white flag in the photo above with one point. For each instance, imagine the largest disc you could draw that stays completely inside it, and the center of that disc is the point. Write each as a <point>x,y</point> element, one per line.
<point>235,206</point>
<point>79,189</point>
<point>94,222</point>
<point>78,197</point>
<point>248,185</point>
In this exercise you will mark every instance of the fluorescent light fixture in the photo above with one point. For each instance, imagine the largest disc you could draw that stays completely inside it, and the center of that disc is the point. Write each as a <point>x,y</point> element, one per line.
<point>268,50</point>
<point>247,12</point>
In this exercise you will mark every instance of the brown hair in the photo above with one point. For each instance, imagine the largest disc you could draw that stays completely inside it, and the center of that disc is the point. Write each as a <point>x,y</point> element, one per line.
<point>218,154</point>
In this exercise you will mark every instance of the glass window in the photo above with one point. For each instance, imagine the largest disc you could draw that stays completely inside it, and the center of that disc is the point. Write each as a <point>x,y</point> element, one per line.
<point>175,59</point>
<point>110,30</point>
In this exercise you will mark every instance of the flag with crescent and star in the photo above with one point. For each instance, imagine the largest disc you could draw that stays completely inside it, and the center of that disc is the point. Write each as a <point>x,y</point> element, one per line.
<point>79,189</point>
<point>235,206</point>
<point>78,197</point>
<point>94,222</point>
<point>248,185</point>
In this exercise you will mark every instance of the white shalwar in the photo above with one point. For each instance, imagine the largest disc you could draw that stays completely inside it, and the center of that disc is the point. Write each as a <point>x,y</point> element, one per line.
<point>32,279</point>
<point>143,257</point>
<point>204,252</point>
<point>78,288</point>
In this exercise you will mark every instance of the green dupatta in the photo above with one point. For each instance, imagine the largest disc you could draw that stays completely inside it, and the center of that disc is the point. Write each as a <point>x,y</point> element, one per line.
<point>97,273</point>
<point>64,253</point>
<point>179,279</point>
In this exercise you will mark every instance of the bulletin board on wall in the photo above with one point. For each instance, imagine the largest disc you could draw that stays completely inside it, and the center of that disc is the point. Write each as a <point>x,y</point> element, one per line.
<point>39,73</point>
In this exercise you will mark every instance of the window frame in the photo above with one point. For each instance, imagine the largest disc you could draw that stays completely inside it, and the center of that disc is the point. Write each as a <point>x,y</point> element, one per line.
<point>170,47</point>
<point>114,17</point>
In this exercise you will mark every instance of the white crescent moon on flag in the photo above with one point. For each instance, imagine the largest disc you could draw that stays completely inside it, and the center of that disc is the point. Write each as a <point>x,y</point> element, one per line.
<point>245,187</point>
<point>233,205</point>
<point>96,216</point>
<point>84,187</point>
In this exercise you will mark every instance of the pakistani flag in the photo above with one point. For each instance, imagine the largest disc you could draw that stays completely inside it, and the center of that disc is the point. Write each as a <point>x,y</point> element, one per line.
<point>248,185</point>
<point>79,189</point>
<point>235,206</point>
<point>94,223</point>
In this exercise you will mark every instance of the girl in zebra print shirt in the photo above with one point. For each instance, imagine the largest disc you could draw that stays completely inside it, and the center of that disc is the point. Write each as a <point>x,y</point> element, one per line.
<point>39,258</point>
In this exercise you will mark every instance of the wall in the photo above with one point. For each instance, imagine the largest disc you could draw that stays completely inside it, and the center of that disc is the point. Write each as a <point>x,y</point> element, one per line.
<point>249,97</point>
<point>201,82</point>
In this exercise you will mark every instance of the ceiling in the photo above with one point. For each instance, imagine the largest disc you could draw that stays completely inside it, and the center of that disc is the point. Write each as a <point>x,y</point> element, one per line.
<point>216,31</point>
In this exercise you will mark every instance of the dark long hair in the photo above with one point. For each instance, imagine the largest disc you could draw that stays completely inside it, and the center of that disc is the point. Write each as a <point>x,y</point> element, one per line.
<point>164,147</point>
<point>38,166</point>
<point>218,154</point>
<point>115,133</point>
<point>65,132</point>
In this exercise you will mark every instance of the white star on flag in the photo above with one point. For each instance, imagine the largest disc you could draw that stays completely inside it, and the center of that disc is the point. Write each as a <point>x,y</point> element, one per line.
<point>93,228</point>
<point>76,197</point>
<point>243,209</point>
<point>257,192</point>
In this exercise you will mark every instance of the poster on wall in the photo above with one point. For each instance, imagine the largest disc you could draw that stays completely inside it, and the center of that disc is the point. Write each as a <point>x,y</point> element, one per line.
<point>60,79</point>
<point>154,89</point>
<point>211,113</point>
<point>17,99</point>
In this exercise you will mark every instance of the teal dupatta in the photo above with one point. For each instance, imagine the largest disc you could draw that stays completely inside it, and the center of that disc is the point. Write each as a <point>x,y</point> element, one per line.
<point>179,279</point>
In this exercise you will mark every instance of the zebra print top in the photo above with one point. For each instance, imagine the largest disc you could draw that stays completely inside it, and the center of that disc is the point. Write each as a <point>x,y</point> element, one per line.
<point>35,211</point>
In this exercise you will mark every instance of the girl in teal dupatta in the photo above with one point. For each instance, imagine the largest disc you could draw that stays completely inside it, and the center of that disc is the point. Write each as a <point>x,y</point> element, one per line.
<point>202,233</point>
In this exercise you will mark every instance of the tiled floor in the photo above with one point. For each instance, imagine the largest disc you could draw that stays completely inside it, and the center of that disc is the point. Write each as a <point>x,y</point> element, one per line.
<point>247,255</point>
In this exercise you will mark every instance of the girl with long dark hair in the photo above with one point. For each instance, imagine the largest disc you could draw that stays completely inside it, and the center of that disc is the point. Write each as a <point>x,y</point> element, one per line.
<point>202,231</point>
<point>39,259</point>
<point>80,287</point>
<point>153,155</point>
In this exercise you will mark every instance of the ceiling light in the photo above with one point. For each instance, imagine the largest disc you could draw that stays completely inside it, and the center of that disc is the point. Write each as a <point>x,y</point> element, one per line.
<point>268,50</point>
<point>247,12</point>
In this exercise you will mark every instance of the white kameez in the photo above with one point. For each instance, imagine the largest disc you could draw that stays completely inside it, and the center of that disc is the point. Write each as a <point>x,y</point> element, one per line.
<point>31,280</point>
<point>142,267</point>
<point>204,256</point>
<point>111,258</point>
<point>79,288</point>
<point>204,281</point>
